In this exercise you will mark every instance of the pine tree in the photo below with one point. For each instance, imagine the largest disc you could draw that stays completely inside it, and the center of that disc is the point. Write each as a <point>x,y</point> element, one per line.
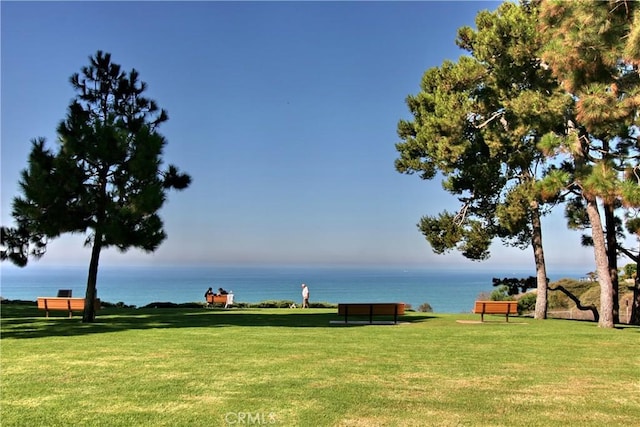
<point>592,48</point>
<point>104,180</point>
<point>477,122</point>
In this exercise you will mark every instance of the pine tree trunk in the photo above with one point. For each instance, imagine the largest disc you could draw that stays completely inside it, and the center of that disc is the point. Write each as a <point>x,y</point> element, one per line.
<point>602,264</point>
<point>612,256</point>
<point>635,303</point>
<point>89,314</point>
<point>541,269</point>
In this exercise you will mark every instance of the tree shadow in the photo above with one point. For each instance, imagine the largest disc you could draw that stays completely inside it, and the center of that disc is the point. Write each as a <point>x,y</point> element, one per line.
<point>24,321</point>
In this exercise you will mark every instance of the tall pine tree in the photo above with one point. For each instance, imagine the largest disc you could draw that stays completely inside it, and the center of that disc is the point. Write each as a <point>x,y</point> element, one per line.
<point>104,180</point>
<point>477,122</point>
<point>592,48</point>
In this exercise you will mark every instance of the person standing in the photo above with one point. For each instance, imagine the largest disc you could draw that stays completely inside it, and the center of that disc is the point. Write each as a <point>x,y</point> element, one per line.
<point>305,296</point>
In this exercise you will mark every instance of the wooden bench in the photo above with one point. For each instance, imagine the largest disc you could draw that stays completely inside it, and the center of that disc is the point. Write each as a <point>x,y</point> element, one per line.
<point>495,307</point>
<point>64,304</point>
<point>217,299</point>
<point>394,309</point>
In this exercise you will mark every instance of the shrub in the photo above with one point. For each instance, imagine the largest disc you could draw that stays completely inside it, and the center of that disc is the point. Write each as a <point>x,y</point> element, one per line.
<point>16,301</point>
<point>273,304</point>
<point>484,296</point>
<point>501,294</point>
<point>119,304</point>
<point>425,308</point>
<point>527,303</point>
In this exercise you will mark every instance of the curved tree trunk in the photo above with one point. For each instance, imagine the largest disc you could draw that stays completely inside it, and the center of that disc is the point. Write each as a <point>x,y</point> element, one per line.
<point>602,264</point>
<point>576,301</point>
<point>541,269</point>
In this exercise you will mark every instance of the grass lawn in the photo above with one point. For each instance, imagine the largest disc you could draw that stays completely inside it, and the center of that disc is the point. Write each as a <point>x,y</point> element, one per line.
<point>198,367</point>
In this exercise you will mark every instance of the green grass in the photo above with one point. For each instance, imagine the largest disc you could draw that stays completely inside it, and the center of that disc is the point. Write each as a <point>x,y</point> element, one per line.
<point>197,367</point>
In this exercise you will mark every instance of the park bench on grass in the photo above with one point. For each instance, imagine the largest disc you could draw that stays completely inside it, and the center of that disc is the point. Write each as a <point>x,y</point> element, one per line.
<point>226,300</point>
<point>495,307</point>
<point>64,304</point>
<point>394,309</point>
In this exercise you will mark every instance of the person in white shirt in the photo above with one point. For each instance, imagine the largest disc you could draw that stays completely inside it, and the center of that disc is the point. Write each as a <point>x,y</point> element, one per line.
<point>305,296</point>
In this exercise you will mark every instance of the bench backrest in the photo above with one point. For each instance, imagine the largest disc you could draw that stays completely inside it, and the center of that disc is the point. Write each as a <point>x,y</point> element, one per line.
<point>216,299</point>
<point>59,303</point>
<point>380,309</point>
<point>496,307</point>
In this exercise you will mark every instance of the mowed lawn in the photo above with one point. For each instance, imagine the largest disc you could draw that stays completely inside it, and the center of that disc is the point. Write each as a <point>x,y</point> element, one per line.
<point>291,367</point>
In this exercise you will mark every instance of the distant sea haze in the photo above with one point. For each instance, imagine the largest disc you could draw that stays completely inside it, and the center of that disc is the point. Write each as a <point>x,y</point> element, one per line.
<point>447,291</point>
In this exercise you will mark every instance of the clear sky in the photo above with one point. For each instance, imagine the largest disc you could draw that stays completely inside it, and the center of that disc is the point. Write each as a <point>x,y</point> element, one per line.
<point>284,114</point>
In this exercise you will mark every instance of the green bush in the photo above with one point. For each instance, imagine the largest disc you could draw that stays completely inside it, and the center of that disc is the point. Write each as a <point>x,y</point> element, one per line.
<point>425,308</point>
<point>273,304</point>
<point>527,303</point>
<point>501,294</point>
<point>119,304</point>
<point>287,304</point>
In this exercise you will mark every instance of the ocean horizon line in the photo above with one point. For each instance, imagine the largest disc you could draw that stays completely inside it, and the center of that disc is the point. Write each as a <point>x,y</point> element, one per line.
<point>446,290</point>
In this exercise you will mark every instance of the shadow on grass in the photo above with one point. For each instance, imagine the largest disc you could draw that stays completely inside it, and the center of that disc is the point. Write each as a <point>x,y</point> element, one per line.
<point>26,321</point>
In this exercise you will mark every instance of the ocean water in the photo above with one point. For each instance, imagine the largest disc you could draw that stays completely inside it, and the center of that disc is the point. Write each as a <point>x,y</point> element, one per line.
<point>447,291</point>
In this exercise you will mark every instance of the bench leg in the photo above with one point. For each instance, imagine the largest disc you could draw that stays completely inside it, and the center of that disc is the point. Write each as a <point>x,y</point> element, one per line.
<point>371,314</point>
<point>346,313</point>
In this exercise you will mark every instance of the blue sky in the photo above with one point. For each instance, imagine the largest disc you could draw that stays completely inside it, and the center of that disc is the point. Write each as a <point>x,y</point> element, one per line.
<point>284,114</point>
